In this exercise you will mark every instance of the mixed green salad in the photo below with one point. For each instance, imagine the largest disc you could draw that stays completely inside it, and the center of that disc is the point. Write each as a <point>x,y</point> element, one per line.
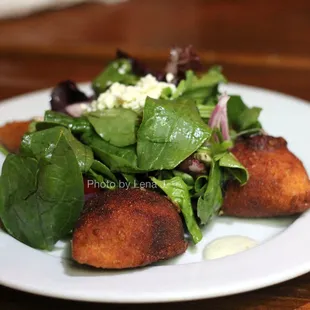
<point>178,141</point>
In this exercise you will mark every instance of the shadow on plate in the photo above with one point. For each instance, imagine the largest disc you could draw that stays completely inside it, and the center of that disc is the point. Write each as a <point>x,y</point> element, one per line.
<point>73,269</point>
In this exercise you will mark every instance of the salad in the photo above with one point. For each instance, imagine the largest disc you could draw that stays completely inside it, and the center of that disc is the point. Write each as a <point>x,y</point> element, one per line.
<point>170,131</point>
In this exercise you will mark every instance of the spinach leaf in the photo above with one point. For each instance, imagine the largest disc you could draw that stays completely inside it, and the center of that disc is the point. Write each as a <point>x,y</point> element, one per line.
<point>236,169</point>
<point>187,178</point>
<point>118,159</point>
<point>228,162</point>
<point>200,185</point>
<point>240,116</point>
<point>210,203</point>
<point>116,126</point>
<point>102,169</point>
<point>178,192</point>
<point>119,70</point>
<point>41,143</point>
<point>76,125</point>
<point>250,118</point>
<point>41,198</point>
<point>171,130</point>
<point>204,88</point>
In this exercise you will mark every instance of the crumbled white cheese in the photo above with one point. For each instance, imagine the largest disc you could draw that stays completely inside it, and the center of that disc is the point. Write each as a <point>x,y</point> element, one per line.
<point>131,97</point>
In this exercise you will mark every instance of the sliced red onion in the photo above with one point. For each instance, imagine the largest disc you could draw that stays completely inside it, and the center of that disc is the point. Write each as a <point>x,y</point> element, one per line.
<point>76,109</point>
<point>219,117</point>
<point>196,166</point>
<point>192,166</point>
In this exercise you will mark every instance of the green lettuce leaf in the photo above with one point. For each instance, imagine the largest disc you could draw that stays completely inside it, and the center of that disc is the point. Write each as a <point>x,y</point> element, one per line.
<point>203,89</point>
<point>234,167</point>
<point>118,159</point>
<point>119,70</point>
<point>177,190</point>
<point>41,199</point>
<point>102,169</point>
<point>77,125</point>
<point>210,203</point>
<point>240,116</point>
<point>41,143</point>
<point>116,126</point>
<point>171,130</point>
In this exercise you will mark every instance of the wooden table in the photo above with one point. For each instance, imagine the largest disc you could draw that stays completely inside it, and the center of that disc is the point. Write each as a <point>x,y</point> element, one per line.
<point>262,43</point>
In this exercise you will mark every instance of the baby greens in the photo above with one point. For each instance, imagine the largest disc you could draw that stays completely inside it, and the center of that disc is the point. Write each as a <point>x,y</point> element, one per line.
<point>41,189</point>
<point>41,198</point>
<point>116,126</point>
<point>103,170</point>
<point>118,159</point>
<point>76,125</point>
<point>232,165</point>
<point>42,143</point>
<point>242,117</point>
<point>177,190</point>
<point>210,203</point>
<point>119,70</point>
<point>171,130</point>
<point>223,163</point>
<point>203,89</point>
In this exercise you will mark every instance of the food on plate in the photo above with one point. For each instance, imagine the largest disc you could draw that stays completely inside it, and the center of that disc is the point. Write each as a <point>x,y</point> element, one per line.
<point>11,135</point>
<point>148,144</point>
<point>278,183</point>
<point>132,96</point>
<point>127,228</point>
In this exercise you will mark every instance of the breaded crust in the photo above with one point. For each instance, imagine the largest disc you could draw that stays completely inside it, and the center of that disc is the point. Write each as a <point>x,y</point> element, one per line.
<point>11,135</point>
<point>127,228</point>
<point>278,184</point>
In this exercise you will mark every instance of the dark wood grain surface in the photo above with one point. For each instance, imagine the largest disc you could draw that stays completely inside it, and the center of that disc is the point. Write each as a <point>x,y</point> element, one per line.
<point>262,43</point>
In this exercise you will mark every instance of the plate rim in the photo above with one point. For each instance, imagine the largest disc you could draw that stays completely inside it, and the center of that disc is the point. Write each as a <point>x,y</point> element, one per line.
<point>298,227</point>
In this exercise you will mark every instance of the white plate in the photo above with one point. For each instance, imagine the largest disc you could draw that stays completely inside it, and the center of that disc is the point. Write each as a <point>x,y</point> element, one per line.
<point>283,252</point>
